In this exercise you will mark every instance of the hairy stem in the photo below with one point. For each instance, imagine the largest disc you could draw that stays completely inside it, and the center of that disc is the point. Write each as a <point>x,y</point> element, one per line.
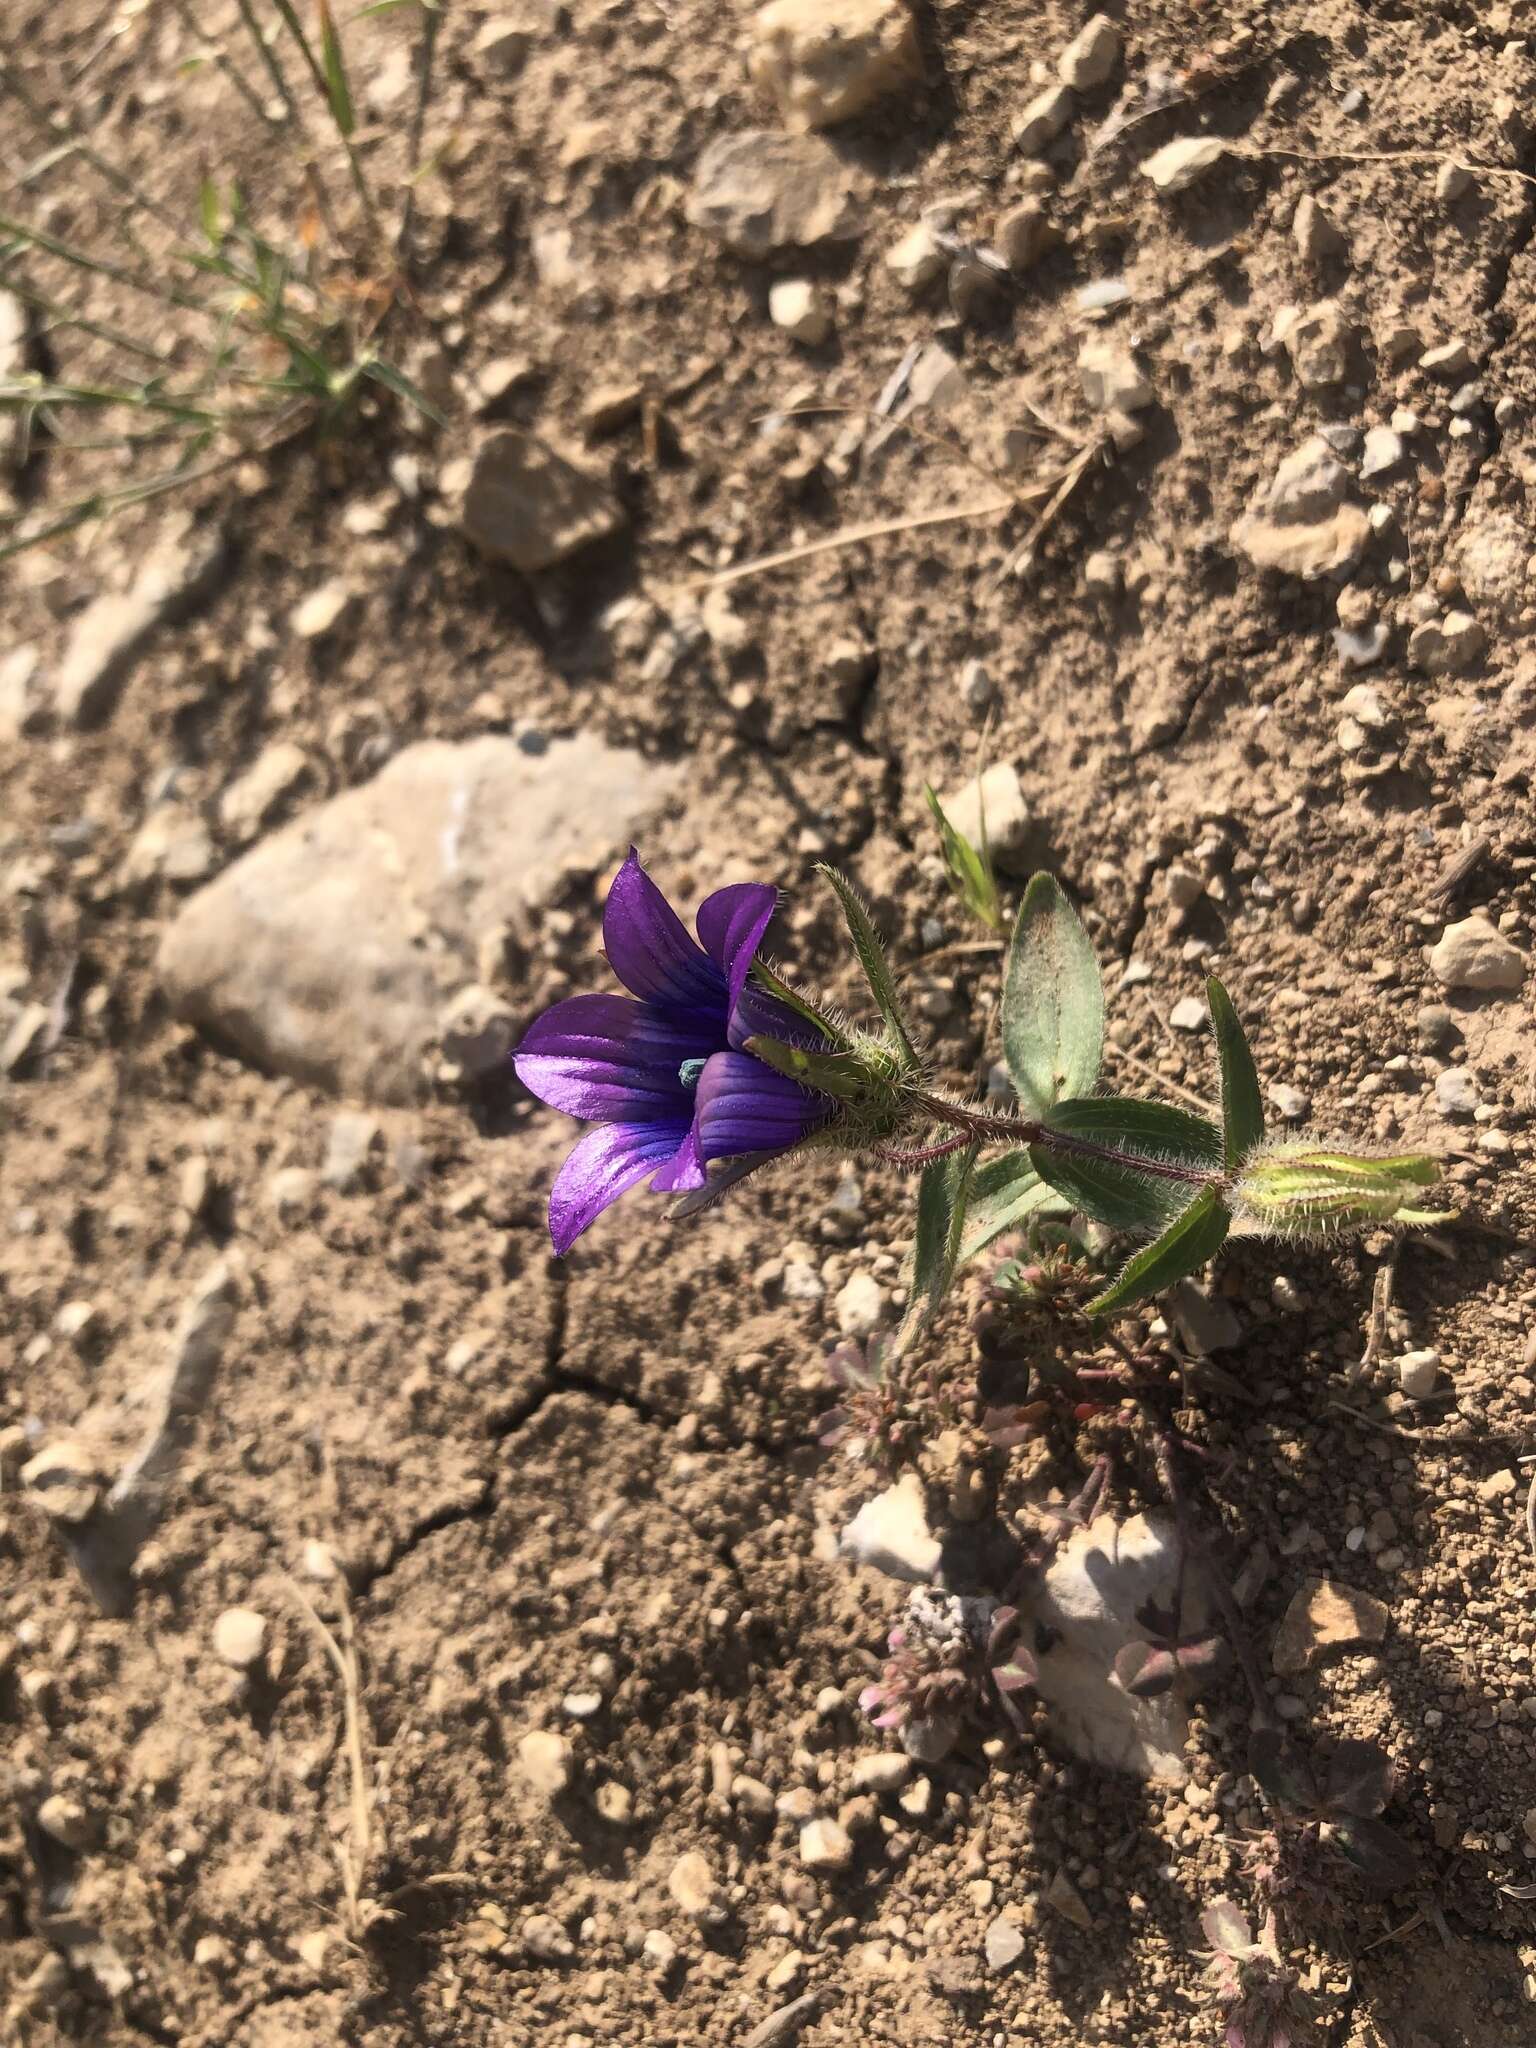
<point>1019,1130</point>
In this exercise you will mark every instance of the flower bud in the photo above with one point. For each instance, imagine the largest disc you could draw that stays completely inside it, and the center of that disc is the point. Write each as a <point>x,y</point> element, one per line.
<point>1293,1191</point>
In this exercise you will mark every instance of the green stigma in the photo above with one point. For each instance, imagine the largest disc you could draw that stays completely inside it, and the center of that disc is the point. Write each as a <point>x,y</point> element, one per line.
<point>688,1073</point>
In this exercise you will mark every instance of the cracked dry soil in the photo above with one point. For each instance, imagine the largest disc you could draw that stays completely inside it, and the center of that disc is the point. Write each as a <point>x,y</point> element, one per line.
<point>590,1500</point>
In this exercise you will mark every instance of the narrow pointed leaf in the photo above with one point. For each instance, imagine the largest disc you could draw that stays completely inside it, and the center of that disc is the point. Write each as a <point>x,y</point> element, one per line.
<point>208,210</point>
<point>1053,1001</point>
<point>941,1205</point>
<point>337,92</point>
<point>1182,1249</point>
<point>877,971</point>
<point>1242,1106</point>
<point>765,978</point>
<point>397,381</point>
<point>970,867</point>
<point>1119,1194</point>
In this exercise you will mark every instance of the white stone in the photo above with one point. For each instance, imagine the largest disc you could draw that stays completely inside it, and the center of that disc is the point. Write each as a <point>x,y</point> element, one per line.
<point>1383,451</point>
<point>276,775</point>
<point>800,308</point>
<point>891,1533</point>
<point>1188,1014</point>
<point>1317,236</point>
<point>916,261</point>
<point>825,1845</point>
<point>239,1637</point>
<point>323,610</point>
<point>859,1305</point>
<point>692,1884</point>
<point>1450,359</point>
<point>884,1772</point>
<point>1456,1092</point>
<point>1089,59</point>
<point>824,61</point>
<point>1448,646</point>
<point>1178,165</point>
<point>1303,522</point>
<point>997,795</point>
<point>1289,1103</point>
<point>1004,1943</point>
<point>1472,954</point>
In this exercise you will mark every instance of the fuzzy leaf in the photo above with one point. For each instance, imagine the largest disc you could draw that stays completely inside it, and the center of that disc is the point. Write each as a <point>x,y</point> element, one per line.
<point>838,1074</point>
<point>941,1202</point>
<point>877,971</point>
<point>1297,1192</point>
<point>1004,1192</point>
<point>1380,1854</point>
<point>969,867</point>
<point>1053,1001</point>
<point>1182,1249</point>
<point>1242,1106</point>
<point>765,978</point>
<point>1284,1776</point>
<point>1144,1671</point>
<point>1361,1777</point>
<point>1225,1926</point>
<point>1120,1195</point>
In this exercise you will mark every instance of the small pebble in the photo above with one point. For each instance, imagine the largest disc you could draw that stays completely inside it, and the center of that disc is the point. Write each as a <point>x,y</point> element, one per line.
<point>825,1845</point>
<point>1417,1372</point>
<point>239,1637</point>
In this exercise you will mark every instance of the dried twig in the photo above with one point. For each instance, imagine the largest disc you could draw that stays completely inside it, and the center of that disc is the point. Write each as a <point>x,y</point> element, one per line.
<point>1376,1327</point>
<point>354,1852</point>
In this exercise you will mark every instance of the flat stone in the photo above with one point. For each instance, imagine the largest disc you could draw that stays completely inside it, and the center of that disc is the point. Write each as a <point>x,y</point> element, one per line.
<point>1289,1103</point>
<point>353,1135</point>
<point>859,1305</point>
<point>1473,954</point>
<point>883,1773</point>
<point>1449,359</point>
<point>757,191</point>
<point>1063,1897</point>
<point>1492,552</point>
<point>1090,58</point>
<point>239,1637</point>
<point>1498,1485</point>
<point>823,61</point>
<point>1383,451</point>
<point>524,503</point>
<point>999,795</point>
<point>1324,1616</point>
<point>172,845</point>
<point>692,1884</point>
<point>1317,235</point>
<point>329,950</point>
<point>917,261</point>
<point>891,1533</point>
<point>1178,165</point>
<point>1004,1944</point>
<point>114,630</point>
<point>1319,343</point>
<point>1302,523</point>
<point>1189,1014</point>
<point>323,610</point>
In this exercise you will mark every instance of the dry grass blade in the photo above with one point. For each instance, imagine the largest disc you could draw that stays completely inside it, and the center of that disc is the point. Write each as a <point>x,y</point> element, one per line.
<point>354,1852</point>
<point>1022,558</point>
<point>1376,1326</point>
<point>847,537</point>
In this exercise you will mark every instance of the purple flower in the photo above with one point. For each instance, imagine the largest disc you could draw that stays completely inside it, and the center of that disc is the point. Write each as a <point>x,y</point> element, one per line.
<point>661,1072</point>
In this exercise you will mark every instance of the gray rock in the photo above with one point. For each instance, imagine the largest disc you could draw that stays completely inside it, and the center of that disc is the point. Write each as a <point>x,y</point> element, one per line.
<point>758,191</point>
<point>1472,954</point>
<point>891,1533</point>
<point>1319,343</point>
<point>1205,1321</point>
<point>1303,522</point>
<point>1188,1014</point>
<point>525,504</point>
<point>1317,236</point>
<point>1290,1103</point>
<point>1436,1027</point>
<point>1448,646</point>
<point>329,950</point>
<point>1042,120</point>
<point>1456,1092</point>
<point>1383,451</point>
<point>1493,551</point>
<point>1004,1943</point>
<point>1090,58</point>
<point>1111,380</point>
<point>113,631</point>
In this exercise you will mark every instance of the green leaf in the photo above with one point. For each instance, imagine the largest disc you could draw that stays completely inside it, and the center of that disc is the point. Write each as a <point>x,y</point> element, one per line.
<point>1242,1106</point>
<point>872,959</point>
<point>776,986</point>
<point>1184,1246</point>
<point>970,868</point>
<point>208,210</point>
<point>1004,1193</point>
<point>1112,1191</point>
<point>1053,1001</point>
<point>941,1204</point>
<point>337,92</point>
<point>396,381</point>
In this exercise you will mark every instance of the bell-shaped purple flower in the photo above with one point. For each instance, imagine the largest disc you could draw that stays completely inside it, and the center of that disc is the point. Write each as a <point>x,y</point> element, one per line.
<point>662,1072</point>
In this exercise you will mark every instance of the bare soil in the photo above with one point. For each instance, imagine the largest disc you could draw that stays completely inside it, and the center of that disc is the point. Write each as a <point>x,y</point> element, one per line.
<point>542,1481</point>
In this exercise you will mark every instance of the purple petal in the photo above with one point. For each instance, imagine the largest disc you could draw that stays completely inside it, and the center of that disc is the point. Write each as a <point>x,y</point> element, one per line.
<point>600,1168</point>
<point>743,1106</point>
<point>650,950</point>
<point>610,1060</point>
<point>731,923</point>
<point>685,1172</point>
